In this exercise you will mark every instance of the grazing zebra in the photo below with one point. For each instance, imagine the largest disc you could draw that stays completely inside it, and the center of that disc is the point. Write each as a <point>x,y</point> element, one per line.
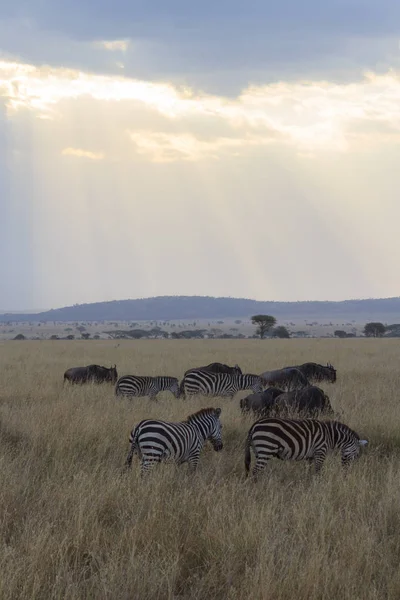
<point>155,441</point>
<point>215,367</point>
<point>219,384</point>
<point>309,439</point>
<point>134,385</point>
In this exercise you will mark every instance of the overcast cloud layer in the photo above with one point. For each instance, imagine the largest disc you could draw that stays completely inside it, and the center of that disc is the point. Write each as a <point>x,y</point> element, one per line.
<point>209,149</point>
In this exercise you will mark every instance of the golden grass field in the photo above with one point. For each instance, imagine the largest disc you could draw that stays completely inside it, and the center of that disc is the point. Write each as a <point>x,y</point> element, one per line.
<point>71,527</point>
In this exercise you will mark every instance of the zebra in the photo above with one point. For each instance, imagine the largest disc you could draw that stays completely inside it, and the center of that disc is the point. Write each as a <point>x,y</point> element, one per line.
<point>290,439</point>
<point>211,368</point>
<point>219,384</point>
<point>155,441</point>
<point>135,385</point>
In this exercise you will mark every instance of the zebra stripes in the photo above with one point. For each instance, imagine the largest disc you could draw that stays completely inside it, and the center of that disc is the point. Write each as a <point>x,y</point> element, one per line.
<point>135,385</point>
<point>219,384</point>
<point>307,439</point>
<point>155,441</point>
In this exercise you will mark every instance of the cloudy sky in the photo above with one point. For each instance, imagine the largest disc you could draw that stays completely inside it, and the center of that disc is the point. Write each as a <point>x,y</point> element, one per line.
<point>213,148</point>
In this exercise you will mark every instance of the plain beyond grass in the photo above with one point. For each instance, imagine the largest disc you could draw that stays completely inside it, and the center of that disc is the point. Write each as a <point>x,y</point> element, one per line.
<point>71,527</point>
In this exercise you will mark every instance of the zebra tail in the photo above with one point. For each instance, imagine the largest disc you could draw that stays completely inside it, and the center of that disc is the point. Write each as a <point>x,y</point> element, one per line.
<point>134,447</point>
<point>247,452</point>
<point>133,438</point>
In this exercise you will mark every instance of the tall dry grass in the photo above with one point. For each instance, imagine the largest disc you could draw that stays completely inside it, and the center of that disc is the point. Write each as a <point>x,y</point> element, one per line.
<point>72,527</point>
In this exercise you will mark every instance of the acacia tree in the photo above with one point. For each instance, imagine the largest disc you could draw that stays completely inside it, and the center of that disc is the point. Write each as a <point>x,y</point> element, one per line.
<point>340,333</point>
<point>264,324</point>
<point>280,332</point>
<point>374,329</point>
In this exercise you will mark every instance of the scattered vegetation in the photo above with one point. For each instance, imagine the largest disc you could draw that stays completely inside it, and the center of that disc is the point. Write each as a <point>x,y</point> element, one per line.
<point>264,324</point>
<point>280,332</point>
<point>374,329</point>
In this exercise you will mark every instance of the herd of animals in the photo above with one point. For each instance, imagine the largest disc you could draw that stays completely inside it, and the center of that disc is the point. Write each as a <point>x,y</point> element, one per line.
<point>272,435</point>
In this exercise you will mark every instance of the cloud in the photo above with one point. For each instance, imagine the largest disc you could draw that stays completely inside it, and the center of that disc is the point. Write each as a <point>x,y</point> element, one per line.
<point>161,147</point>
<point>167,123</point>
<point>113,45</point>
<point>244,45</point>
<point>82,153</point>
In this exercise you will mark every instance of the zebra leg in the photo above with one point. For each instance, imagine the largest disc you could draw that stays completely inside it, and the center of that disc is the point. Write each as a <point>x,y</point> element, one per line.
<point>147,465</point>
<point>261,462</point>
<point>128,462</point>
<point>319,458</point>
<point>193,461</point>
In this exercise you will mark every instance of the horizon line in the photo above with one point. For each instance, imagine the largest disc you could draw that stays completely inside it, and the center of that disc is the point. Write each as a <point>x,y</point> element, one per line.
<point>39,311</point>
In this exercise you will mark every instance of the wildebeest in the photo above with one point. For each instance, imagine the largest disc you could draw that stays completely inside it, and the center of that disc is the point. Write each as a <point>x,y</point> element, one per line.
<point>316,372</point>
<point>217,367</point>
<point>260,404</point>
<point>310,401</point>
<point>91,374</point>
<point>288,377</point>
<point>214,367</point>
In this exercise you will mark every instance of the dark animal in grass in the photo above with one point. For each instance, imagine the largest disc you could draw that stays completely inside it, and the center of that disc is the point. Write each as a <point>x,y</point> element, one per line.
<point>91,374</point>
<point>288,377</point>
<point>316,372</point>
<point>260,404</point>
<point>308,402</point>
<point>217,367</point>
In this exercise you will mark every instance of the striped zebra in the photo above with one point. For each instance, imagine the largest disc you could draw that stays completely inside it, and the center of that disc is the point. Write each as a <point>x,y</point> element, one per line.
<point>135,385</point>
<point>219,384</point>
<point>290,439</point>
<point>157,441</point>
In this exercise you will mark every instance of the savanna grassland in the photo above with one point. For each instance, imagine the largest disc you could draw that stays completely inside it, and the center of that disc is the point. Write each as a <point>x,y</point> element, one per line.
<point>73,527</point>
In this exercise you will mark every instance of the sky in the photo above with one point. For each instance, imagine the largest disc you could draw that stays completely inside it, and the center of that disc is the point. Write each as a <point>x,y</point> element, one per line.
<point>214,148</point>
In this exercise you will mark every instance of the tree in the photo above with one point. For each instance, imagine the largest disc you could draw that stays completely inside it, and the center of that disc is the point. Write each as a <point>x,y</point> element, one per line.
<point>280,332</point>
<point>264,324</point>
<point>85,336</point>
<point>374,329</point>
<point>340,333</point>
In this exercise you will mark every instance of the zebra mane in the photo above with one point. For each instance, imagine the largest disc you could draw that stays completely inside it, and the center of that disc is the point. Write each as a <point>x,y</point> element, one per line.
<point>201,413</point>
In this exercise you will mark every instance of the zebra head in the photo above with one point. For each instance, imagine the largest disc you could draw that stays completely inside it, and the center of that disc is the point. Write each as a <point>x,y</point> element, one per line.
<point>350,448</point>
<point>215,435</point>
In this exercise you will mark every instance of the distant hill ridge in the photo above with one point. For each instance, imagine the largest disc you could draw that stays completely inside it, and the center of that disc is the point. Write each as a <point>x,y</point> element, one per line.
<point>208,307</point>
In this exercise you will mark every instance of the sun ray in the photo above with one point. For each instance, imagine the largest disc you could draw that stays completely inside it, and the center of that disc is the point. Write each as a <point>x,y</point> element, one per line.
<point>129,177</point>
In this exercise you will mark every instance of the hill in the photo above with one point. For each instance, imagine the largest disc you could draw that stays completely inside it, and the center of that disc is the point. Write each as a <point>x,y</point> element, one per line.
<point>207,307</point>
